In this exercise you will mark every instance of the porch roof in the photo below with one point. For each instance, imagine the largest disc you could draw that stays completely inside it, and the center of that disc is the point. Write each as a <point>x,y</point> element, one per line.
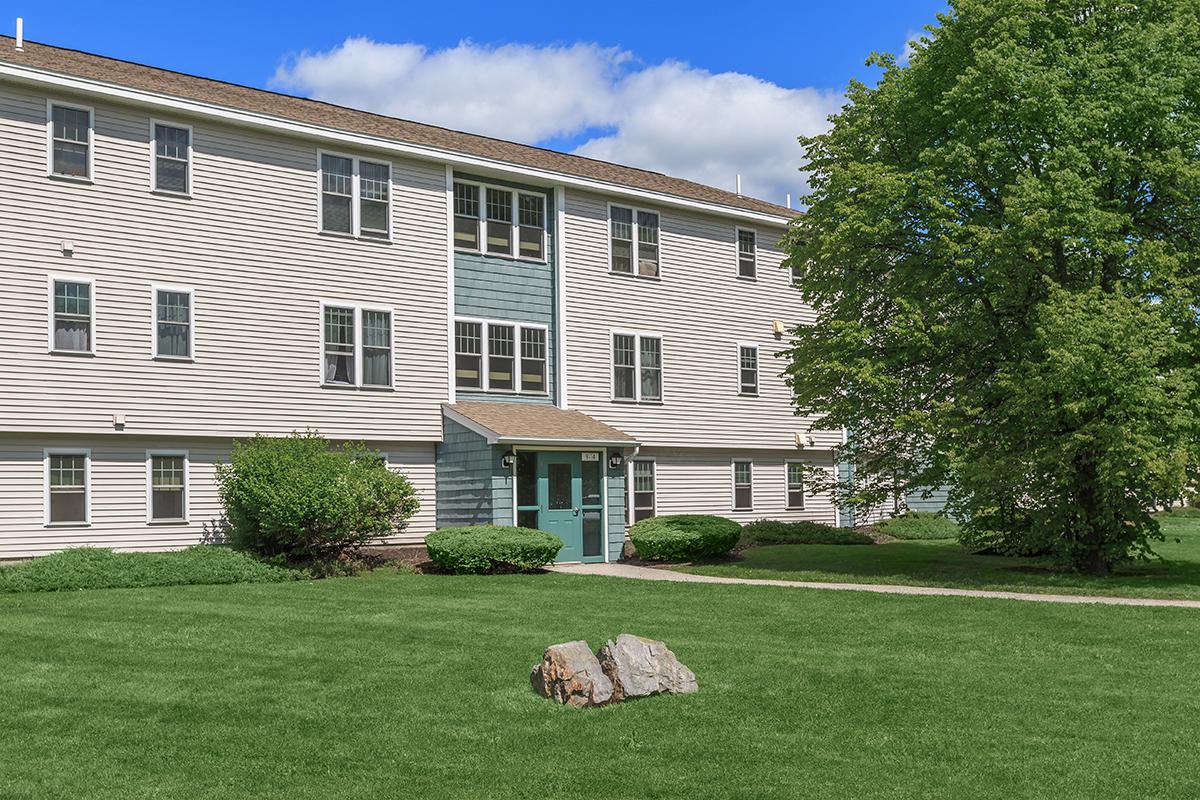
<point>534,424</point>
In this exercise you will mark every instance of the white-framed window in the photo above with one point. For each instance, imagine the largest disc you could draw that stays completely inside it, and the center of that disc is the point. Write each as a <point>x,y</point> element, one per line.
<point>795,484</point>
<point>637,367</point>
<point>70,139</point>
<point>495,356</point>
<point>68,486</point>
<point>747,253</point>
<point>748,369</point>
<point>170,158</point>
<point>743,485</point>
<point>356,346</point>
<point>642,489</point>
<point>72,314</point>
<point>166,486</point>
<point>494,219</point>
<point>355,196</point>
<point>174,336</point>
<point>633,241</point>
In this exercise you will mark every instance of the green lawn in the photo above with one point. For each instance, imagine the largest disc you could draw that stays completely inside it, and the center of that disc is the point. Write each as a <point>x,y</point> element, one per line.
<point>398,685</point>
<point>944,563</point>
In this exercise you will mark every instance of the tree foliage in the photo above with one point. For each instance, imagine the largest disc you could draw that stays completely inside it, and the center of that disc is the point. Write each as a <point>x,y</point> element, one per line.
<point>1001,244</point>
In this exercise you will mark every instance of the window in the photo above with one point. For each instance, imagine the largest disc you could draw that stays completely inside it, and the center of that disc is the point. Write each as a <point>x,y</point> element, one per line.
<point>637,367</point>
<point>628,226</point>
<point>795,484</point>
<point>743,486</point>
<point>356,197</point>
<point>505,216</point>
<point>71,315</point>
<point>643,490</point>
<point>67,487</point>
<point>747,246</point>
<point>500,366</point>
<point>167,481</point>
<point>172,323</point>
<point>748,369</point>
<point>70,129</point>
<point>171,146</point>
<point>354,335</point>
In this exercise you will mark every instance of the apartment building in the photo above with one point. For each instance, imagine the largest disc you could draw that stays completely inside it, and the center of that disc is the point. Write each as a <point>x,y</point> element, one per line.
<point>530,336</point>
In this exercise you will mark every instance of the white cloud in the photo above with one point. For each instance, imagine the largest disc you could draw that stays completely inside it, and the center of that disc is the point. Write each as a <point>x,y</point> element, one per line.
<point>670,117</point>
<point>910,40</point>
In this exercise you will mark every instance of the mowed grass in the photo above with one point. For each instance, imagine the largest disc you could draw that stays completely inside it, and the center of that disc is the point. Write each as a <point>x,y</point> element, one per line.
<point>398,685</point>
<point>1175,574</point>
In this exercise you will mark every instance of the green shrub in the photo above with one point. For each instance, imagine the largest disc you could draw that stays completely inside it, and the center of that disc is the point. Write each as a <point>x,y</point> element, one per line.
<point>684,537</point>
<point>300,499</point>
<point>95,568</point>
<point>1181,512</point>
<point>919,525</point>
<point>767,531</point>
<point>491,548</point>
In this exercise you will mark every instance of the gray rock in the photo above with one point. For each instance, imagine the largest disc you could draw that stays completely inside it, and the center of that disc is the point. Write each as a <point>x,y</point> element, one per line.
<point>570,673</point>
<point>638,667</point>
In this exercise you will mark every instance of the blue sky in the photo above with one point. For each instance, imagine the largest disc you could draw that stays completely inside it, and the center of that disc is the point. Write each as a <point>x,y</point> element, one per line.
<point>701,90</point>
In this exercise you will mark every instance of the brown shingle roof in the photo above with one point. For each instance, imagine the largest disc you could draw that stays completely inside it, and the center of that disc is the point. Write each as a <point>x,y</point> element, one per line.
<point>536,422</point>
<point>243,98</point>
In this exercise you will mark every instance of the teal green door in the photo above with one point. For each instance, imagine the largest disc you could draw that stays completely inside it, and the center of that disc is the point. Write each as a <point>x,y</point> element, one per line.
<point>571,503</point>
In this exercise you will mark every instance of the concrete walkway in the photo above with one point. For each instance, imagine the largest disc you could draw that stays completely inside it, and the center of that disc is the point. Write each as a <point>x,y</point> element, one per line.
<point>653,574</point>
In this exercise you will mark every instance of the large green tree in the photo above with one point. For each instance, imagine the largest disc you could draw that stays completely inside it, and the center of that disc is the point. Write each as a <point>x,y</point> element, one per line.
<point>1002,243</point>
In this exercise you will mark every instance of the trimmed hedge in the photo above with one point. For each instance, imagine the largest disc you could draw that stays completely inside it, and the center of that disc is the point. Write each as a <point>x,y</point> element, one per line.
<point>767,531</point>
<point>684,537</point>
<point>919,525</point>
<point>491,548</point>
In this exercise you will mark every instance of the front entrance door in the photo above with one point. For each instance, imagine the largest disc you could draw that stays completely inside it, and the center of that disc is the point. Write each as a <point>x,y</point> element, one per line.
<point>571,504</point>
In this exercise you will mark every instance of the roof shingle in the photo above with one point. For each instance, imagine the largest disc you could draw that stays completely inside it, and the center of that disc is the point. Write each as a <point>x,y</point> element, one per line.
<point>536,422</point>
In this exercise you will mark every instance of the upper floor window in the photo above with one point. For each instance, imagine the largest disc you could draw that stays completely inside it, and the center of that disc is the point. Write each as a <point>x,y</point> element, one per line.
<point>357,346</point>
<point>743,486</point>
<point>505,216</point>
<point>172,323</point>
<point>747,369</point>
<point>747,248</point>
<point>355,197</point>
<point>70,129</point>
<point>795,484</point>
<point>167,480</point>
<point>172,148</point>
<point>72,318</point>
<point>486,356</point>
<point>637,367</point>
<point>68,478</point>
<point>633,238</point>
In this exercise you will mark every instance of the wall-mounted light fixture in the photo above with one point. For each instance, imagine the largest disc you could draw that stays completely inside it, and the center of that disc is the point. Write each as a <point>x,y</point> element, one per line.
<point>615,461</point>
<point>508,459</point>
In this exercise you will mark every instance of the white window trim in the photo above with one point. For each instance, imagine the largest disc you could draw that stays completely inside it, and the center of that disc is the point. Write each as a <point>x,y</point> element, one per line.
<point>637,381</point>
<point>787,489</point>
<point>733,484</point>
<point>155,288</point>
<point>154,158</point>
<point>629,487</point>
<point>737,253</point>
<point>481,221</point>
<point>86,452</point>
<point>357,308</point>
<point>355,198</point>
<point>485,356</point>
<point>187,489</point>
<point>62,276</point>
<point>757,370</point>
<point>608,239</point>
<point>91,142</point>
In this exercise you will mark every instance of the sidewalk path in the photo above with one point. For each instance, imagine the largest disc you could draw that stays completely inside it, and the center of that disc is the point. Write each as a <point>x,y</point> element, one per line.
<point>618,570</point>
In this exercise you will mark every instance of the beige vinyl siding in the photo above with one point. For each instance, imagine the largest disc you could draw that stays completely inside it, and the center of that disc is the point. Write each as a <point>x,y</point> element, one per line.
<point>247,243</point>
<point>700,481</point>
<point>118,494</point>
<point>703,311</point>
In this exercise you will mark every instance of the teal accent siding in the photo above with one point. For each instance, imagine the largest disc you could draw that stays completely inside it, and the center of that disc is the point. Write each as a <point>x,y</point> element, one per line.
<point>845,473</point>
<point>464,469</point>
<point>933,504</point>
<point>616,513</point>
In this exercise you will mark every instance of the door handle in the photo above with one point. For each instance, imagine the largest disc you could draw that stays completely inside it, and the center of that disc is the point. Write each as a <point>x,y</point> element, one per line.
<point>576,510</point>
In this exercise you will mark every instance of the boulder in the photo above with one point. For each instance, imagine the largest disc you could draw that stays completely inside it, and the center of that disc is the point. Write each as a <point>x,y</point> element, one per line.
<point>638,667</point>
<point>570,673</point>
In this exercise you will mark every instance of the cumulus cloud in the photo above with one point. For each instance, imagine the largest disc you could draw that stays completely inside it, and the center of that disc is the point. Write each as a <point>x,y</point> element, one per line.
<point>670,117</point>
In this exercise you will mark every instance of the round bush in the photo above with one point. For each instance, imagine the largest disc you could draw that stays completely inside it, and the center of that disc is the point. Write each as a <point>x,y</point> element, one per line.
<point>919,525</point>
<point>684,537</point>
<point>491,548</point>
